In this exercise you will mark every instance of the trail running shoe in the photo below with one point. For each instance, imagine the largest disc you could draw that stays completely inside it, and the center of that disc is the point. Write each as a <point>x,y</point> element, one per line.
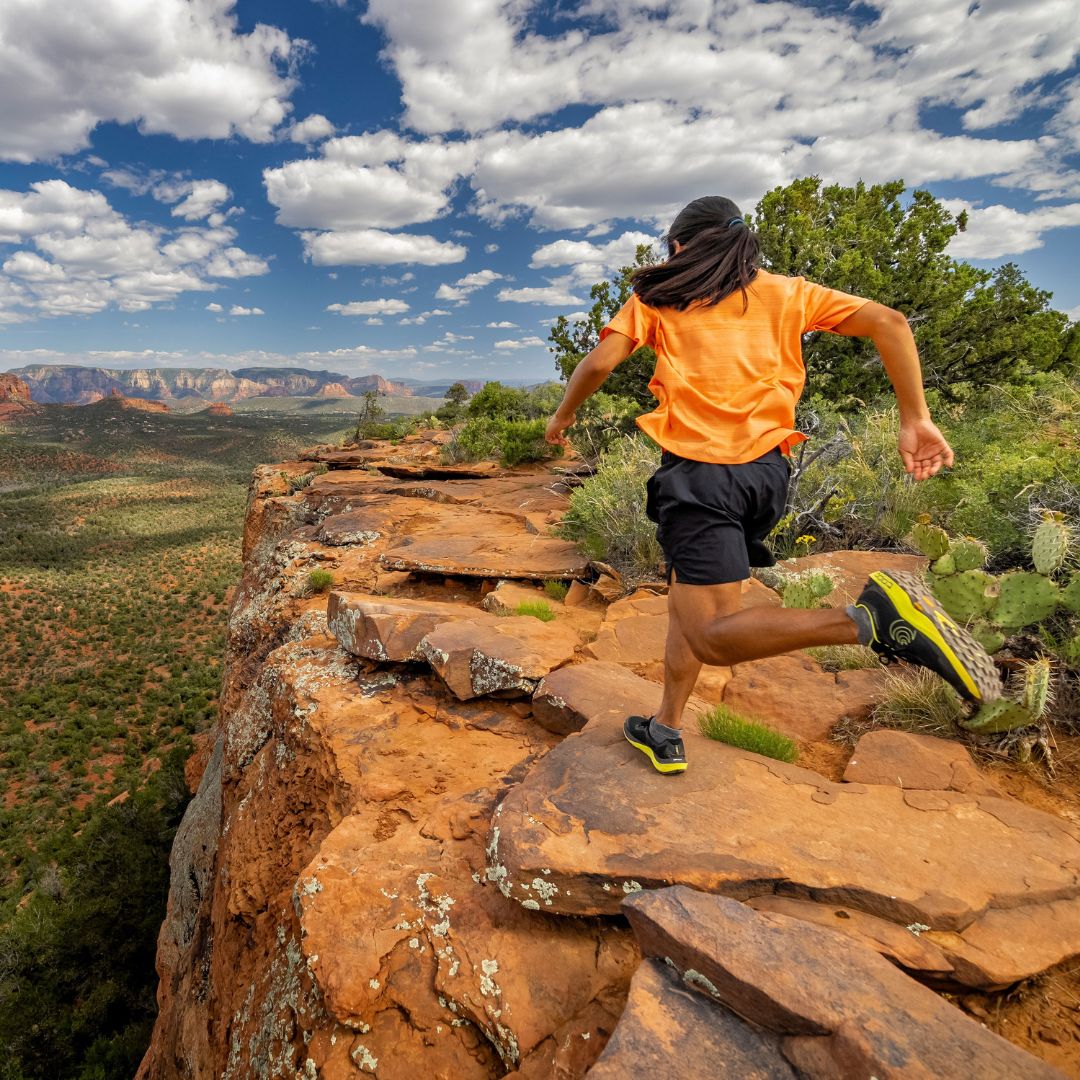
<point>667,755</point>
<point>909,624</point>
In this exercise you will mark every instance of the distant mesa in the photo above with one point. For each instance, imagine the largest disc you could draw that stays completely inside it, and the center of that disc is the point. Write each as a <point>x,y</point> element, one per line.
<point>333,389</point>
<point>73,384</point>
<point>219,408</point>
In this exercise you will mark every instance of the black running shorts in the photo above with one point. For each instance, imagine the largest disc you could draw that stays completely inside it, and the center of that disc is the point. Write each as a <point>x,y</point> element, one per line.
<point>712,520</point>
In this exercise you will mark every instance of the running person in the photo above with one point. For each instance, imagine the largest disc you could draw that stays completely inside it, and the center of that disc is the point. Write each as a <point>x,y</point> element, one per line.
<point>729,372</point>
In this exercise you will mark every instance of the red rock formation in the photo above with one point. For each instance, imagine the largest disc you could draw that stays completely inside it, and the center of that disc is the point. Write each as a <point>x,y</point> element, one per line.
<point>219,408</point>
<point>376,871</point>
<point>133,404</point>
<point>13,391</point>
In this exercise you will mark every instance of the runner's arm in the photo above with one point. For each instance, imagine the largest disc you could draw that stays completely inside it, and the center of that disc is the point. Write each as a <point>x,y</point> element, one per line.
<point>923,448</point>
<point>588,377</point>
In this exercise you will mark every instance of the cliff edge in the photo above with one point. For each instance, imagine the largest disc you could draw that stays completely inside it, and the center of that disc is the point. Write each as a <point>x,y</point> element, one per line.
<point>420,846</point>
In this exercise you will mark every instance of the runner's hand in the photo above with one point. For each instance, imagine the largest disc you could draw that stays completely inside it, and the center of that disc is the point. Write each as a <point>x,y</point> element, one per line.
<point>923,449</point>
<point>555,428</point>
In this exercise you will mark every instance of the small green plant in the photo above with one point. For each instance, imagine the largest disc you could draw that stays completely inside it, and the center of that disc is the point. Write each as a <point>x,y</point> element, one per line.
<point>522,441</point>
<point>844,657</point>
<point>557,590</point>
<point>538,609</point>
<point>918,701</point>
<point>320,580</point>
<point>727,726</point>
<point>1032,691</point>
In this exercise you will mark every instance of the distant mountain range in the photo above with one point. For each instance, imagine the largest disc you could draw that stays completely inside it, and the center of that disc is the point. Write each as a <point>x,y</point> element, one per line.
<point>52,384</point>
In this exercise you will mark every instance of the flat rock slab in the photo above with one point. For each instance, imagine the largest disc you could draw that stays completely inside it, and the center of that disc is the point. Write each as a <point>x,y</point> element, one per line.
<point>792,694</point>
<point>844,1011</point>
<point>598,824</point>
<point>919,762</point>
<point>568,698</point>
<point>670,1032</point>
<point>390,628</point>
<point>489,654</point>
<point>482,554</point>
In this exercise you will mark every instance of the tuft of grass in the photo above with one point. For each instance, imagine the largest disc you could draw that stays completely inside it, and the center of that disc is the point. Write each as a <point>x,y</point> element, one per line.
<point>320,580</point>
<point>538,609</point>
<point>918,701</point>
<point>844,657</point>
<point>557,590</point>
<point>727,726</point>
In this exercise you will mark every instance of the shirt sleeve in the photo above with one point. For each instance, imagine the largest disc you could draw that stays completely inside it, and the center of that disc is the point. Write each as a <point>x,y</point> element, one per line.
<point>824,309</point>
<point>635,320</point>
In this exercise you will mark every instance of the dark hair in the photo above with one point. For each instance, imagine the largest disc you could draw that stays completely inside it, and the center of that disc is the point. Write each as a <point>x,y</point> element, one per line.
<point>719,254</point>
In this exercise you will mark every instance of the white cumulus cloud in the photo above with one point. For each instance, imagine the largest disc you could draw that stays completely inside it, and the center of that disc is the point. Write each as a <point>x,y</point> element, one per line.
<point>359,247</point>
<point>176,67</point>
<point>311,129</point>
<point>521,343</point>
<point>237,309</point>
<point>370,307</point>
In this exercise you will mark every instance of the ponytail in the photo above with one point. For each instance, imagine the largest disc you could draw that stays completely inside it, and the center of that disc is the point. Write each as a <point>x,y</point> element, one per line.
<point>719,253</point>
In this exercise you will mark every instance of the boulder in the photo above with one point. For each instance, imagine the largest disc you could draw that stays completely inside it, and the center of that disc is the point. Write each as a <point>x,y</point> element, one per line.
<point>669,1032</point>
<point>481,552</point>
<point>566,699</point>
<point>919,762</point>
<point>390,628</point>
<point>975,871</point>
<point>478,656</point>
<point>841,1009</point>
<point>792,694</point>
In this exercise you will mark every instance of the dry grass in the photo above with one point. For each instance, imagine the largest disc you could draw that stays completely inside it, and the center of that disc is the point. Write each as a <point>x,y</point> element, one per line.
<point>844,657</point>
<point>918,701</point>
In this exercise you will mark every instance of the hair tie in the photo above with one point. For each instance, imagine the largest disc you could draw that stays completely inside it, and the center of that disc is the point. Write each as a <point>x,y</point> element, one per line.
<point>735,221</point>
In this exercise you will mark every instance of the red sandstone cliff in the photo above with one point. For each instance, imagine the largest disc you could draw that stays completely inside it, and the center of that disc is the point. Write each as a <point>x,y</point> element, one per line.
<point>418,820</point>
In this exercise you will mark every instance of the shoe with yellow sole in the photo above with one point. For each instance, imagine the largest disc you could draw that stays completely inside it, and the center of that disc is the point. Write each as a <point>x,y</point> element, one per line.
<point>667,755</point>
<point>909,624</point>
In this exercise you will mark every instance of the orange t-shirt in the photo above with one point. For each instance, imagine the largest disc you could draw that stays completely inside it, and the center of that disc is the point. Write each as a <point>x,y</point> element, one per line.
<point>727,381</point>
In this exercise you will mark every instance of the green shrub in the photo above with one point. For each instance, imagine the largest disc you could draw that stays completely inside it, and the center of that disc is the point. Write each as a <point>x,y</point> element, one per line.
<point>477,439</point>
<point>320,580</point>
<point>726,726</point>
<point>538,609</point>
<point>557,590</point>
<point>522,441</point>
<point>606,515</point>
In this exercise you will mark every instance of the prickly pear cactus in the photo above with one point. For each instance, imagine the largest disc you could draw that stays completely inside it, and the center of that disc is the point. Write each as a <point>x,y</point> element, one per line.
<point>987,635</point>
<point>1023,598</point>
<point>944,566</point>
<point>964,596</point>
<point>1050,544</point>
<point>968,554</point>
<point>931,540</point>
<point>806,590</point>
<point>1037,686</point>
<point>1070,595</point>
<point>1004,714</point>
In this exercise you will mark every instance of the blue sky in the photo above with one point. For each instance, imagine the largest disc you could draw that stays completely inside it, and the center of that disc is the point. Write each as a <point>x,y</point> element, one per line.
<point>417,188</point>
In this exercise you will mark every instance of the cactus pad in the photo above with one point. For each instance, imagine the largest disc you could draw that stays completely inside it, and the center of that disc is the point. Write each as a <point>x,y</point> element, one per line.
<point>797,593</point>
<point>944,566</point>
<point>968,554</point>
<point>1024,598</point>
<point>964,596</point>
<point>1070,595</point>
<point>931,540</point>
<point>820,584</point>
<point>1004,714</point>
<point>1038,690</point>
<point>1050,544</point>
<point>987,635</point>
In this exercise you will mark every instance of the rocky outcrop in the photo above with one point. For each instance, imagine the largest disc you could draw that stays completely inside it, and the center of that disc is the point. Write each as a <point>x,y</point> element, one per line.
<point>841,1010</point>
<point>73,384</point>
<point>219,408</point>
<point>13,391</point>
<point>117,400</point>
<point>417,819</point>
